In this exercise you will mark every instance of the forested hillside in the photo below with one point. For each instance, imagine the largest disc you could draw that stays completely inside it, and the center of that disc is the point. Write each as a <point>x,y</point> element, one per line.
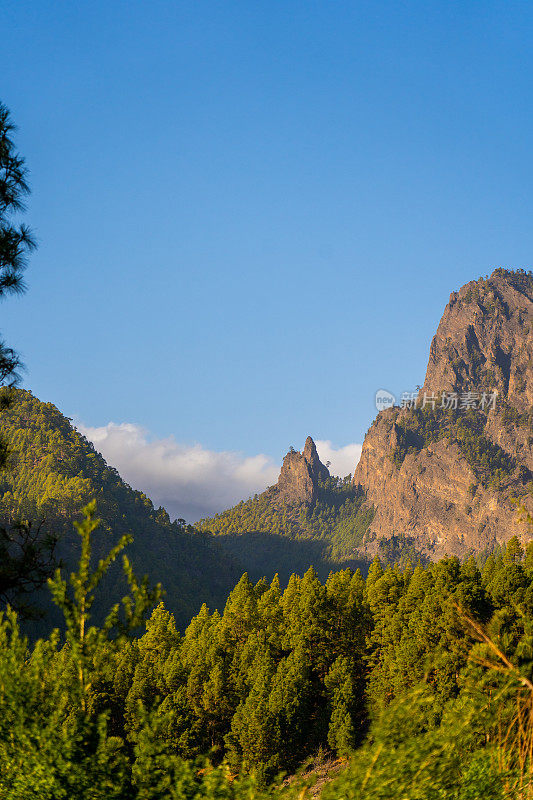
<point>281,537</point>
<point>281,673</point>
<point>52,471</point>
<point>309,518</point>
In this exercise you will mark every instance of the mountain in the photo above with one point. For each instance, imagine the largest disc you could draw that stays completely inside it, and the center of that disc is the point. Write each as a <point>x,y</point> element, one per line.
<point>53,471</point>
<point>449,479</point>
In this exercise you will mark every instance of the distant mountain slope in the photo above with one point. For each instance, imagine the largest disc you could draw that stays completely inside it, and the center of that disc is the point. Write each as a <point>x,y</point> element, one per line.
<point>53,471</point>
<point>447,477</point>
<point>307,518</point>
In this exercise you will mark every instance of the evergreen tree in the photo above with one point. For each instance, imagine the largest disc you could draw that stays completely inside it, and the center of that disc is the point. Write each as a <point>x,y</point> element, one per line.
<point>16,239</point>
<point>26,557</point>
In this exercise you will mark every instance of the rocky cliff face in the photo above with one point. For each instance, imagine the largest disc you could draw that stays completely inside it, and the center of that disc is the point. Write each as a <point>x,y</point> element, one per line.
<point>448,477</point>
<point>485,340</point>
<point>300,475</point>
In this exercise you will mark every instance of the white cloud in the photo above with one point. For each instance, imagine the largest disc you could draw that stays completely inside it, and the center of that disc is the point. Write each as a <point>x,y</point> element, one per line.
<point>189,480</point>
<point>343,459</point>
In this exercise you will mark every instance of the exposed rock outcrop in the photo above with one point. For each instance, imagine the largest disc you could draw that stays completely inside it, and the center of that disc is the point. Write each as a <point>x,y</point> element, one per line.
<point>300,475</point>
<point>448,480</point>
<point>485,340</point>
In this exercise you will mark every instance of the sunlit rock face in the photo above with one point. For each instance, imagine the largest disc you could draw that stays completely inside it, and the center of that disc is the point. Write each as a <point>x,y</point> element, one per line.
<point>300,475</point>
<point>449,480</point>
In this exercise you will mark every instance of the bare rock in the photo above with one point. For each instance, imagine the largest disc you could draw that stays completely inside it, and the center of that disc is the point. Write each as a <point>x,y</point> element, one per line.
<point>485,340</point>
<point>433,492</point>
<point>300,475</point>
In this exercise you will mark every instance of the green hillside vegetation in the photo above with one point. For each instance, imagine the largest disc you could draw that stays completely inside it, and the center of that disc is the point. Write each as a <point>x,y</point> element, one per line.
<point>53,471</point>
<point>326,534</point>
<point>420,679</point>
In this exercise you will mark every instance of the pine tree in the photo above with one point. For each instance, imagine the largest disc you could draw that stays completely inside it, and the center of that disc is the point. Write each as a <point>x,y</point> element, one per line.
<point>16,240</point>
<point>345,705</point>
<point>148,685</point>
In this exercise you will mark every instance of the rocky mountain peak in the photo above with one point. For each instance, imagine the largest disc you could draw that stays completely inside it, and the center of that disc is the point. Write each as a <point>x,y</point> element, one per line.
<point>317,469</point>
<point>310,452</point>
<point>449,482</point>
<point>300,475</point>
<point>484,341</point>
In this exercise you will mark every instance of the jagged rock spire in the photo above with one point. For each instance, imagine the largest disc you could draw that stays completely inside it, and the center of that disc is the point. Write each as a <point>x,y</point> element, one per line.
<point>316,467</point>
<point>300,475</point>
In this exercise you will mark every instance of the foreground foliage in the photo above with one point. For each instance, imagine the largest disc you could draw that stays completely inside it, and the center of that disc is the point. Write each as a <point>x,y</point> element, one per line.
<point>421,678</point>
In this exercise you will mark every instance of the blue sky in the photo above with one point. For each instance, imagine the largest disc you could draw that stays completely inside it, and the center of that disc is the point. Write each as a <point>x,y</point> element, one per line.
<point>251,215</point>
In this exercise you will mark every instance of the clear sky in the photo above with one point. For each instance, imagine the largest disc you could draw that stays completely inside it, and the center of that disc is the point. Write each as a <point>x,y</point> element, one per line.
<point>251,214</point>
